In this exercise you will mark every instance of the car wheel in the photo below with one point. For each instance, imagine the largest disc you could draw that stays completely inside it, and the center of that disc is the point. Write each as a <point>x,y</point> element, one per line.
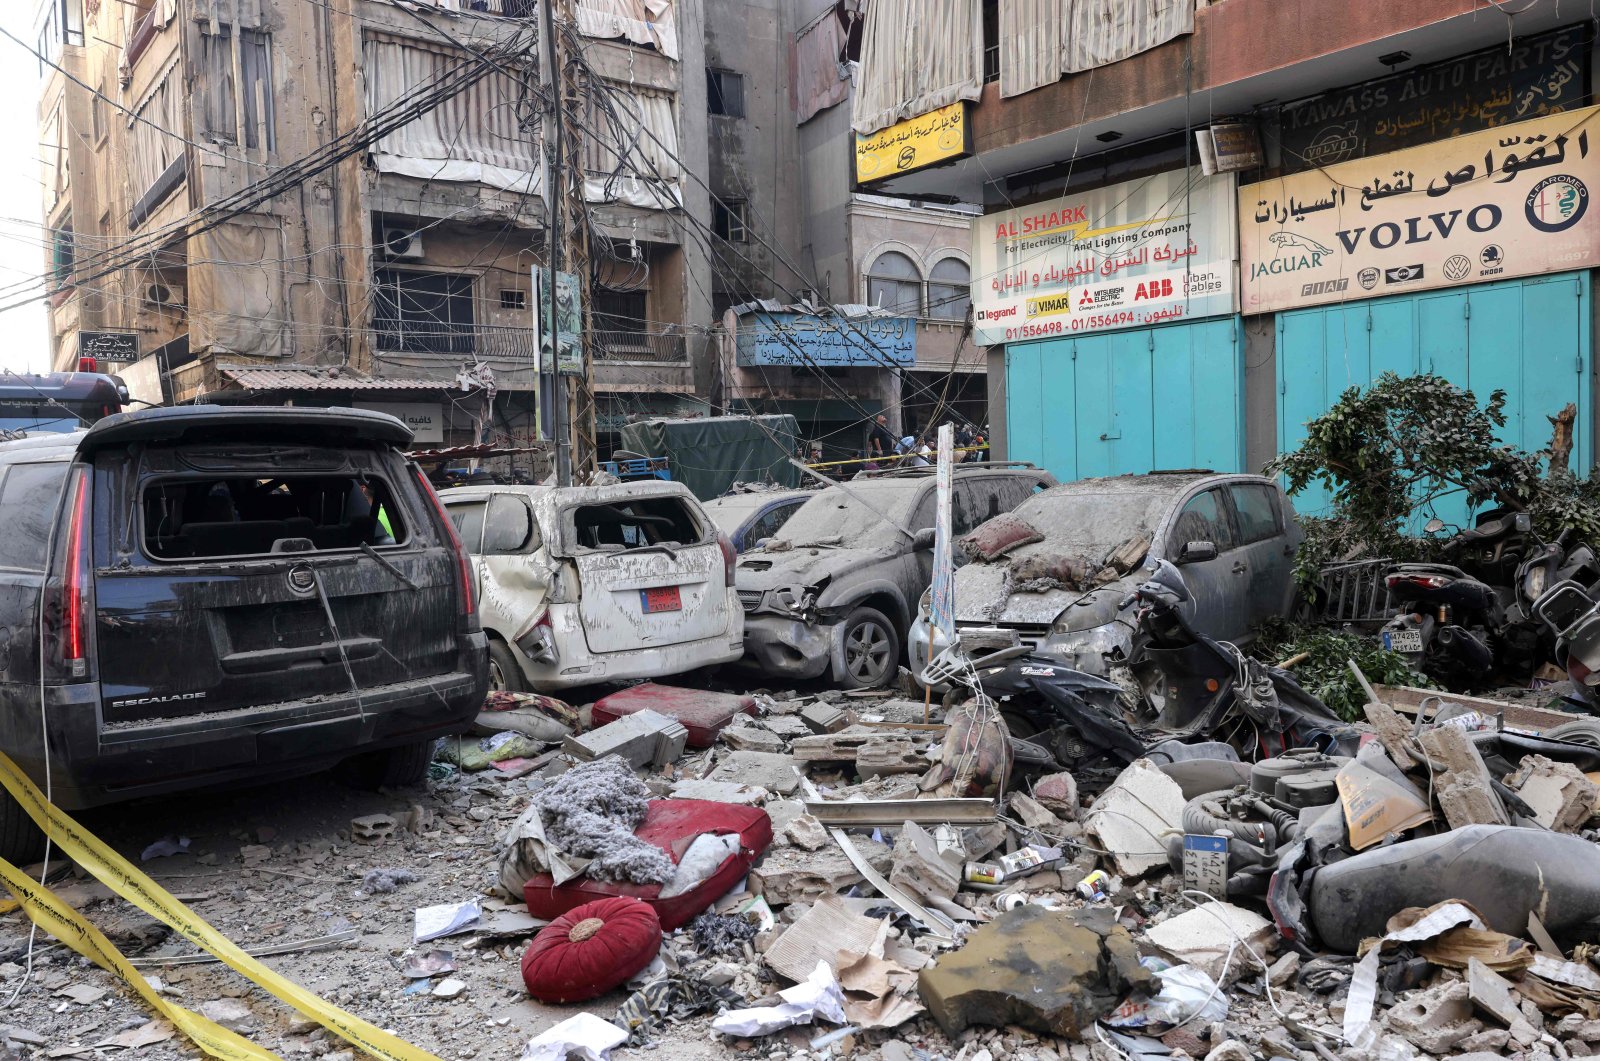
<point>869,652</point>
<point>1578,731</point>
<point>21,841</point>
<point>504,674</point>
<point>389,767</point>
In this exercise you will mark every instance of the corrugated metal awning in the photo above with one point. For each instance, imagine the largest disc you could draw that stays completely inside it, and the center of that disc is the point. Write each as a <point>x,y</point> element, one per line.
<point>325,379</point>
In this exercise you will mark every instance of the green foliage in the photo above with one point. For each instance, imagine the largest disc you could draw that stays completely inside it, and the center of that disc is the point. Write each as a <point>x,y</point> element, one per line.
<point>1326,674</point>
<point>1389,451</point>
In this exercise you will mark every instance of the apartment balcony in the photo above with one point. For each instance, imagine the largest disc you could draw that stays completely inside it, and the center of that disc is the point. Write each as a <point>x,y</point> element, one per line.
<point>641,347</point>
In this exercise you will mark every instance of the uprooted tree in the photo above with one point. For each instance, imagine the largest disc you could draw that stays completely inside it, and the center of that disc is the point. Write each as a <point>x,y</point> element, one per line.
<point>1393,449</point>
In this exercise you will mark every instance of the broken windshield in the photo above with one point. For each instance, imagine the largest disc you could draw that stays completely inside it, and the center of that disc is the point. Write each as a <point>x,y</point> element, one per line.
<point>1091,523</point>
<point>863,514</point>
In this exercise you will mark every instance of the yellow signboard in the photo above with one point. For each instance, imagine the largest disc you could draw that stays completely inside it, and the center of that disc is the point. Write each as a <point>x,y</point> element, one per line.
<point>914,143</point>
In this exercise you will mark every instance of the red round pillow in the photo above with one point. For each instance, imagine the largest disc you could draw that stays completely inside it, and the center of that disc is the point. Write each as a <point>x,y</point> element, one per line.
<point>589,950</point>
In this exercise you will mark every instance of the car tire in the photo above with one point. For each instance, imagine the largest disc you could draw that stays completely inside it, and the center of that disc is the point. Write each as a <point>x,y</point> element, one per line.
<point>504,673</point>
<point>389,767</point>
<point>1578,731</point>
<point>21,841</point>
<point>869,650</point>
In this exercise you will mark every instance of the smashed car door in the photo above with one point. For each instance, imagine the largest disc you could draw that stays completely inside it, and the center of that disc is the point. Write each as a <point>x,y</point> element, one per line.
<point>1218,585</point>
<point>513,582</point>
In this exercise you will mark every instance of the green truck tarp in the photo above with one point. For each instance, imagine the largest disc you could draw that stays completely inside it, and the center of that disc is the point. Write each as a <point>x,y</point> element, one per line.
<point>710,454</point>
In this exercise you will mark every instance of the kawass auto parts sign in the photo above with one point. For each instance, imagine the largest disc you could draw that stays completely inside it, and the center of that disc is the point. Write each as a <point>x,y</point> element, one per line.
<point>1504,202</point>
<point>1144,252</point>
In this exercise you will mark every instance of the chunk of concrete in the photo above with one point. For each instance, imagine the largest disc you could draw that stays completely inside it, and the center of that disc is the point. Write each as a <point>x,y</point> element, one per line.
<point>1031,813</point>
<point>920,869</point>
<point>372,828</point>
<point>791,875</point>
<point>775,773</point>
<point>1203,936</point>
<point>1561,796</point>
<point>889,755</point>
<point>1058,794</point>
<point>751,739</point>
<point>719,791</point>
<point>1134,815</point>
<point>807,833</point>
<point>644,738</point>
<point>1491,993</point>
<point>1465,790</point>
<point>824,718</point>
<point>1049,971</point>
<point>1436,1020</point>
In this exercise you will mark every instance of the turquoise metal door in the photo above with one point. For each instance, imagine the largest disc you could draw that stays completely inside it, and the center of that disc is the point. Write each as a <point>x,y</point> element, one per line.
<point>1529,338</point>
<point>1128,401</point>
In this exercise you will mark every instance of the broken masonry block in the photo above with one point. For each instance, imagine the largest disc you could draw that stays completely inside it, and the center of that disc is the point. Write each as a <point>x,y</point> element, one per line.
<point>920,869</point>
<point>1466,790</point>
<point>824,718</point>
<point>1561,796</point>
<point>889,755</point>
<point>644,738</point>
<point>372,828</point>
<point>773,772</point>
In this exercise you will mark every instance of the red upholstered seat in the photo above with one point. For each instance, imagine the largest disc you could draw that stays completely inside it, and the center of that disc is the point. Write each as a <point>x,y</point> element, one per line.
<point>703,714</point>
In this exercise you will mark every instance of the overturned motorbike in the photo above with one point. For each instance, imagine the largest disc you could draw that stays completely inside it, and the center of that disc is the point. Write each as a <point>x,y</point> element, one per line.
<point>1194,689</point>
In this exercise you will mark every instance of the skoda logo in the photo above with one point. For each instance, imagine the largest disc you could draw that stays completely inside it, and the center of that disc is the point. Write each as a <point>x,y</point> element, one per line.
<point>1556,203</point>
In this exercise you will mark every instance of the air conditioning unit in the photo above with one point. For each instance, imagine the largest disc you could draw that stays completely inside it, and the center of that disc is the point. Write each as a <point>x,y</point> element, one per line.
<point>401,243</point>
<point>164,296</point>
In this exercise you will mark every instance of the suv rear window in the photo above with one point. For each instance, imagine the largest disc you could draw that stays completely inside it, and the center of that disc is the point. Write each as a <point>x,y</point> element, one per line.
<point>29,495</point>
<point>259,515</point>
<point>631,524</point>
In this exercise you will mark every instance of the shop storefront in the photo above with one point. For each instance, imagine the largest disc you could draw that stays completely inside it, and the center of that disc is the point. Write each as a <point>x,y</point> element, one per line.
<point>1466,258</point>
<point>1117,309</point>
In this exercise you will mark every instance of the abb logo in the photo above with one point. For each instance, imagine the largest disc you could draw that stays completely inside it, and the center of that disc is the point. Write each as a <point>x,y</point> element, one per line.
<point>1153,289</point>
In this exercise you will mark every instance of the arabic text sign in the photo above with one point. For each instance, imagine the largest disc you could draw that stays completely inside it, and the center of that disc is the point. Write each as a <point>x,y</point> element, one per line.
<point>1144,252</point>
<point>1539,75</point>
<point>1505,202</point>
<point>913,143</point>
<point>109,346</point>
<point>799,339</point>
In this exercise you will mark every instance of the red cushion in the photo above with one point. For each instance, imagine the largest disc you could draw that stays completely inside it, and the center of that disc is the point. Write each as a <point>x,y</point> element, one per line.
<point>702,713</point>
<point>563,965</point>
<point>671,825</point>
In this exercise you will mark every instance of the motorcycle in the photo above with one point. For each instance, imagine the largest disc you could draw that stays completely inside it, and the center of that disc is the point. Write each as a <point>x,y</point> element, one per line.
<point>1571,611</point>
<point>1195,689</point>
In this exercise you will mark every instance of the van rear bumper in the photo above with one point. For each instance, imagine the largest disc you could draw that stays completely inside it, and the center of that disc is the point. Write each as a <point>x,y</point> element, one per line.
<point>92,765</point>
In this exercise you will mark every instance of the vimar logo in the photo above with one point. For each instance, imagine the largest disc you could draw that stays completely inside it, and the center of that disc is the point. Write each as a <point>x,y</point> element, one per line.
<point>1295,252</point>
<point>1556,203</point>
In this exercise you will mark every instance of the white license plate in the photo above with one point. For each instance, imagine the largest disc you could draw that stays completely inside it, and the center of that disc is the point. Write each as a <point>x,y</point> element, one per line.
<point>1402,640</point>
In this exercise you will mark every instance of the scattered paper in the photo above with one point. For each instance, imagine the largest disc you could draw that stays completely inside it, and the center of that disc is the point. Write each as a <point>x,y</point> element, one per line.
<point>1364,983</point>
<point>819,996</point>
<point>449,919</point>
<point>157,1031</point>
<point>585,1036</point>
<point>429,963</point>
<point>83,994</point>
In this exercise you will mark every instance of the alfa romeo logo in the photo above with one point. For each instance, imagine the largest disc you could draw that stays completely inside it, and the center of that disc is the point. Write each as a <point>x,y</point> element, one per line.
<point>1557,203</point>
<point>1457,266</point>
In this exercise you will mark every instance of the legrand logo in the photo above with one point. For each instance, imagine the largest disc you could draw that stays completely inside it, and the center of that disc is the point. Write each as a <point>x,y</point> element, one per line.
<point>143,700</point>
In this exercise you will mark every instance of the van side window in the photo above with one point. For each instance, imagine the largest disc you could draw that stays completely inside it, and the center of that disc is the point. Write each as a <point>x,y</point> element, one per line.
<point>467,518</point>
<point>29,495</point>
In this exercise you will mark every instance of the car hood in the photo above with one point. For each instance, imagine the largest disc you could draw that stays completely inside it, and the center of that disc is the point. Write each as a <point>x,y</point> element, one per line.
<point>983,595</point>
<point>764,569</point>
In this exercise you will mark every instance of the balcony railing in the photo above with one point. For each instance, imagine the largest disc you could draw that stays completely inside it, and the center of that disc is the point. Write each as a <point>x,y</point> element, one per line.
<point>481,340</point>
<point>639,346</point>
<point>503,343</point>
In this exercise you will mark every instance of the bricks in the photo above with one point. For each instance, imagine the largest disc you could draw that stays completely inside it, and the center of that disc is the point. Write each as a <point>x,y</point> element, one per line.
<point>1561,797</point>
<point>1465,791</point>
<point>824,718</point>
<point>643,738</point>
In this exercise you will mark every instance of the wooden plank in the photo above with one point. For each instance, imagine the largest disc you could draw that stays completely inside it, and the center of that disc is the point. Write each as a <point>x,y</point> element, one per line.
<point>1408,700</point>
<point>891,813</point>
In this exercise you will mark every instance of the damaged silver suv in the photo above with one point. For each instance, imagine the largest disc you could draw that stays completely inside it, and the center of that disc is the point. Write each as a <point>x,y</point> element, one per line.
<point>834,593</point>
<point>1077,550</point>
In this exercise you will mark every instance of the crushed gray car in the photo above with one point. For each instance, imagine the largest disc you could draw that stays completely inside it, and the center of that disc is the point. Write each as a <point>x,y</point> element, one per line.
<point>835,592</point>
<point>1235,536</point>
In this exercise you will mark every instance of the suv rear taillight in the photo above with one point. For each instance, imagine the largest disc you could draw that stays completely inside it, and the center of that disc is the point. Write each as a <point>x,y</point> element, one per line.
<point>74,587</point>
<point>463,565</point>
<point>729,556</point>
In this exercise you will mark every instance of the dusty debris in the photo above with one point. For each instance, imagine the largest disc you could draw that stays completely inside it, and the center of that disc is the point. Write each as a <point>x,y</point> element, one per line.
<point>806,832</point>
<point>921,869</point>
<point>591,811</point>
<point>643,738</point>
<point>384,881</point>
<point>788,875</point>
<point>1206,935</point>
<point>1031,813</point>
<point>1492,993</point>
<point>1561,796</point>
<point>719,791</point>
<point>230,1013</point>
<point>1465,790</point>
<point>752,739</point>
<point>818,936</point>
<point>1132,817</point>
<point>889,755</point>
<point>775,773</point>
<point>372,828</point>
<point>1058,794</point>
<point>1044,970</point>
<point>1435,1020</point>
<point>825,718</point>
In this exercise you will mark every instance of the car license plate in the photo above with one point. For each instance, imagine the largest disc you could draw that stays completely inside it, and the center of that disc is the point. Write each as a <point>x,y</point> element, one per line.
<point>663,599</point>
<point>1402,640</point>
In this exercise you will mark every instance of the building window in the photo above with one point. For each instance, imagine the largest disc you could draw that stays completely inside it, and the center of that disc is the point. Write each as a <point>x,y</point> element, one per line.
<point>893,284</point>
<point>729,221</point>
<point>513,299</point>
<point>991,41</point>
<point>61,255</point>
<point>423,313</point>
<point>949,289</point>
<point>219,111</point>
<point>97,117</point>
<point>620,311</point>
<point>724,93</point>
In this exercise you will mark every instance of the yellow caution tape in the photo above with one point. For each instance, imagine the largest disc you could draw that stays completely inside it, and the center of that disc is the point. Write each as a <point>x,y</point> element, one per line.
<point>122,877</point>
<point>68,926</point>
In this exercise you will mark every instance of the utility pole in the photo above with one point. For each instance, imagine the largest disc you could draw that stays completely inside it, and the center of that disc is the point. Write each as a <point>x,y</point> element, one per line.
<point>567,249</point>
<point>555,173</point>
